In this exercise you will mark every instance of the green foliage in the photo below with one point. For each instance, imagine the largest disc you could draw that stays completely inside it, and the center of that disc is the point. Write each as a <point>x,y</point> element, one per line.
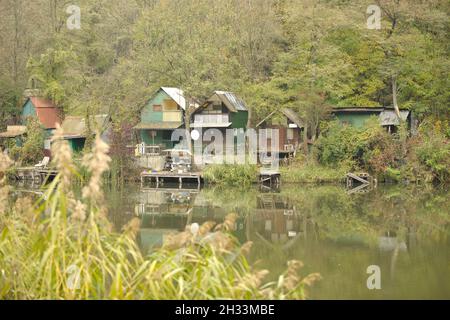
<point>370,148</point>
<point>49,73</point>
<point>337,144</point>
<point>434,152</point>
<point>273,53</point>
<point>32,149</point>
<point>231,175</point>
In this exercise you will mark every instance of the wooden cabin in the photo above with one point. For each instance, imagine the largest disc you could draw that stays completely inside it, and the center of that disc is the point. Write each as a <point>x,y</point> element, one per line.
<point>162,114</point>
<point>223,110</point>
<point>357,116</point>
<point>75,130</point>
<point>290,128</point>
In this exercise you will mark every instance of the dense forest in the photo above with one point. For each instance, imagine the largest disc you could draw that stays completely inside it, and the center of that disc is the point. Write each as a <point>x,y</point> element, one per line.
<point>305,54</point>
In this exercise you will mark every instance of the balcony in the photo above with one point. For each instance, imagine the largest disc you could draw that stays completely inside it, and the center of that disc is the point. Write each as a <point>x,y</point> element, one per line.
<point>211,121</point>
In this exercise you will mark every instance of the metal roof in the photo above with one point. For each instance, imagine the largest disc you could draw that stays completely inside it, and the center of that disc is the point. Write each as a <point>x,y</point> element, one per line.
<point>159,125</point>
<point>389,117</point>
<point>177,95</point>
<point>47,112</point>
<point>233,102</point>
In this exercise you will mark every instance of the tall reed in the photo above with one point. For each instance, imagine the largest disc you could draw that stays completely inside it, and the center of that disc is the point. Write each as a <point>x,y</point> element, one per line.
<point>62,247</point>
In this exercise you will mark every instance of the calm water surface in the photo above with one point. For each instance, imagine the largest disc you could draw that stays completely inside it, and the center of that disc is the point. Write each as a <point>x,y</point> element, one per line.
<point>403,230</point>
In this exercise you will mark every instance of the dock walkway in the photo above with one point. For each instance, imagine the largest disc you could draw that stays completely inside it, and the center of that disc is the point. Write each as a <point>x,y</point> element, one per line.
<point>159,178</point>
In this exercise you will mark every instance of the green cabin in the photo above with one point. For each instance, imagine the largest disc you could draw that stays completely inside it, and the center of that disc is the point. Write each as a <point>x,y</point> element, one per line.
<point>161,115</point>
<point>357,117</point>
<point>223,110</point>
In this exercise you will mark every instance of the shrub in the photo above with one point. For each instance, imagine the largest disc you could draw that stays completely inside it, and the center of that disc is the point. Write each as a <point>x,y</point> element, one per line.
<point>370,148</point>
<point>433,151</point>
<point>32,150</point>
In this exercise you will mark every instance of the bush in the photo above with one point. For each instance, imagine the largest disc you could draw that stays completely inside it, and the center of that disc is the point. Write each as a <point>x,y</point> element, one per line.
<point>32,150</point>
<point>370,148</point>
<point>433,151</point>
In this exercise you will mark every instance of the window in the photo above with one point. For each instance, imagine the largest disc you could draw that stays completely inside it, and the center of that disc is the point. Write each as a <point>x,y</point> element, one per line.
<point>290,134</point>
<point>157,108</point>
<point>170,105</point>
<point>167,135</point>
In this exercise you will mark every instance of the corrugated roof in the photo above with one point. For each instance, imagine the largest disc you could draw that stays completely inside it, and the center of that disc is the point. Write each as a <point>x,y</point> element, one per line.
<point>13,131</point>
<point>47,112</point>
<point>389,117</point>
<point>233,102</point>
<point>75,126</point>
<point>159,125</point>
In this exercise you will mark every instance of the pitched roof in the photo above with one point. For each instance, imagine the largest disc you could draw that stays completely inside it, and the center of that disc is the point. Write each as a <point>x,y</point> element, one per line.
<point>177,95</point>
<point>13,131</point>
<point>231,101</point>
<point>75,126</point>
<point>389,117</point>
<point>293,116</point>
<point>47,112</point>
<point>288,113</point>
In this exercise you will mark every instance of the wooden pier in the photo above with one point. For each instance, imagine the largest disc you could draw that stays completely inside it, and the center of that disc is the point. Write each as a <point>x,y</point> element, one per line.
<point>160,178</point>
<point>270,178</point>
<point>358,178</point>
<point>359,182</point>
<point>37,175</point>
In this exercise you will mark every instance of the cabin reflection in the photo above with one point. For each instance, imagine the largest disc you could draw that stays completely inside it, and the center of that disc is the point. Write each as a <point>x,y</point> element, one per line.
<point>276,219</point>
<point>162,212</point>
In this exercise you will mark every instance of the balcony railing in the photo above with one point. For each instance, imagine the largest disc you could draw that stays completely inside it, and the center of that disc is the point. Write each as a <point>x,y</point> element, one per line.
<point>211,118</point>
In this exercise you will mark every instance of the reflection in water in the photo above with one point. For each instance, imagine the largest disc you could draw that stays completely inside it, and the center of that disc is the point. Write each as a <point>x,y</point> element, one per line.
<point>404,230</point>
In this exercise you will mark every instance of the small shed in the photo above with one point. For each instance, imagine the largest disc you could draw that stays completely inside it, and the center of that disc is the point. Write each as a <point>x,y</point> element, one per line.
<point>289,126</point>
<point>75,129</point>
<point>357,116</point>
<point>46,111</point>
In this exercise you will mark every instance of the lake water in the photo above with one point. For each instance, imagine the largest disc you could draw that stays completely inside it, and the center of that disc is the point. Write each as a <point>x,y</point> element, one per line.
<point>404,230</point>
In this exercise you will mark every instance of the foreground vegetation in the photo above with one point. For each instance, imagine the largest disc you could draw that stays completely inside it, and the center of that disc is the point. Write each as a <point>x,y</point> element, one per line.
<point>63,248</point>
